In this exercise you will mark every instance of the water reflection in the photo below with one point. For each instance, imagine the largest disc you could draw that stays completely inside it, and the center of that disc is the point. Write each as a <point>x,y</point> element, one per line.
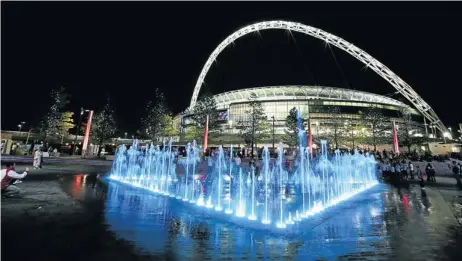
<point>385,222</point>
<point>158,224</point>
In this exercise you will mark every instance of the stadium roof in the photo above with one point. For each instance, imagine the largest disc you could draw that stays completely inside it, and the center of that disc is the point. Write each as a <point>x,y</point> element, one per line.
<point>302,92</point>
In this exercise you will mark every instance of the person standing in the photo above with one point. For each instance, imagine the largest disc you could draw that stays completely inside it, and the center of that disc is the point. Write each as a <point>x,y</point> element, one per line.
<point>420,174</point>
<point>13,149</point>
<point>41,157</point>
<point>210,163</point>
<point>411,169</point>
<point>398,170</point>
<point>404,169</point>
<point>237,160</point>
<point>37,159</point>
<point>456,172</point>
<point>257,167</point>
<point>430,171</point>
<point>393,176</point>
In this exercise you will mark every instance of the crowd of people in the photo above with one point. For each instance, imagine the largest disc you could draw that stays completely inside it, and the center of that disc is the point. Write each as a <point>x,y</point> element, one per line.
<point>391,166</point>
<point>395,167</point>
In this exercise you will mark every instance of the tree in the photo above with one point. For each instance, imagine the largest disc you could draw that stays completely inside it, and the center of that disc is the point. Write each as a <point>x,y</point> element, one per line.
<point>356,132</point>
<point>291,131</point>
<point>334,130</point>
<point>83,127</point>
<point>151,124</point>
<point>206,105</point>
<point>65,124</point>
<point>103,125</point>
<point>158,122</point>
<point>406,127</point>
<point>256,127</point>
<point>337,122</point>
<point>169,129</point>
<point>193,133</point>
<point>49,126</point>
<point>377,123</point>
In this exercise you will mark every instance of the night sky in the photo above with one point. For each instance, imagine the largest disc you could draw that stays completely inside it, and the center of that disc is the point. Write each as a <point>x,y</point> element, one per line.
<point>124,50</point>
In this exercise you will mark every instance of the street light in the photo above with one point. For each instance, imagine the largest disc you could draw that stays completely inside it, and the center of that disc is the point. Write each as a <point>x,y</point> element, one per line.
<point>20,126</point>
<point>78,128</point>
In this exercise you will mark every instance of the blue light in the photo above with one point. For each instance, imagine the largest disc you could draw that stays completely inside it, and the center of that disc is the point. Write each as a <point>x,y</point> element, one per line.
<point>274,195</point>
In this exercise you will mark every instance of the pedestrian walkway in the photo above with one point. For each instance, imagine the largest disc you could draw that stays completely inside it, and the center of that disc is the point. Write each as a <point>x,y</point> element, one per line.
<point>52,160</point>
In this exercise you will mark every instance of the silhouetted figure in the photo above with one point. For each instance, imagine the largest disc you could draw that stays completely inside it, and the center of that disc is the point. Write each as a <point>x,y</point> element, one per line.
<point>430,171</point>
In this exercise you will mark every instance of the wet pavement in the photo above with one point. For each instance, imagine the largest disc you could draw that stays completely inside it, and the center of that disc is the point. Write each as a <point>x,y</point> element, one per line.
<point>81,218</point>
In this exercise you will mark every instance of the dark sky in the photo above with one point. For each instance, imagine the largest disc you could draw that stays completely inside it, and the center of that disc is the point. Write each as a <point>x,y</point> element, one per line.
<point>124,50</point>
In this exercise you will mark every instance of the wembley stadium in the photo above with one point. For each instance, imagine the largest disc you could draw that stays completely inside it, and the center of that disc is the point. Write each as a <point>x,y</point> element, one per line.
<point>314,102</point>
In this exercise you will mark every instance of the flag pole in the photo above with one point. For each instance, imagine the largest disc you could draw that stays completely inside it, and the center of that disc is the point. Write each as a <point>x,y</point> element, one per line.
<point>395,138</point>
<point>206,132</point>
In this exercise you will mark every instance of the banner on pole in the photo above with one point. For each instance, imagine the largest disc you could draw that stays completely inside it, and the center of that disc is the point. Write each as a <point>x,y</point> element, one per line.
<point>206,132</point>
<point>395,139</point>
<point>87,134</point>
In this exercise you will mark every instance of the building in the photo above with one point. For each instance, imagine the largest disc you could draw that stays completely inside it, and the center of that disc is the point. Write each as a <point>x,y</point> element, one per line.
<point>314,103</point>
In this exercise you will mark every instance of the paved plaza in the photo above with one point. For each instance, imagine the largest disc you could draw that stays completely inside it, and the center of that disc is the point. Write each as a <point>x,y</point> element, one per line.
<point>64,216</point>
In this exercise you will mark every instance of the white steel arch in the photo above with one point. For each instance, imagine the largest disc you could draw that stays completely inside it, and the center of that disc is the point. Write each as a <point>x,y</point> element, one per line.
<point>401,86</point>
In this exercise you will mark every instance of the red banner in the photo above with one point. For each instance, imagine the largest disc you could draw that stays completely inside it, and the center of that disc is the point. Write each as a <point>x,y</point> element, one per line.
<point>87,134</point>
<point>395,139</point>
<point>206,132</point>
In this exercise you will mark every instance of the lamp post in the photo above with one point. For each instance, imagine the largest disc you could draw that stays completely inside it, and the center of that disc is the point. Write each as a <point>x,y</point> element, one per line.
<point>272,117</point>
<point>432,128</point>
<point>78,128</point>
<point>20,126</point>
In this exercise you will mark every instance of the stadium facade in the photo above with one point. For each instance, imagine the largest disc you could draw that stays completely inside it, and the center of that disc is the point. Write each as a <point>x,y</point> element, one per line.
<point>314,102</point>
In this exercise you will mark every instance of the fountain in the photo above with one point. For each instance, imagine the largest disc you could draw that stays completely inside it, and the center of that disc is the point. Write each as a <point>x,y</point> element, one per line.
<point>275,193</point>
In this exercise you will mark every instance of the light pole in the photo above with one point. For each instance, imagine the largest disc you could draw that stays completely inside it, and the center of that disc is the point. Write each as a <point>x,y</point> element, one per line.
<point>432,128</point>
<point>20,126</point>
<point>78,128</point>
<point>126,135</point>
<point>272,117</point>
